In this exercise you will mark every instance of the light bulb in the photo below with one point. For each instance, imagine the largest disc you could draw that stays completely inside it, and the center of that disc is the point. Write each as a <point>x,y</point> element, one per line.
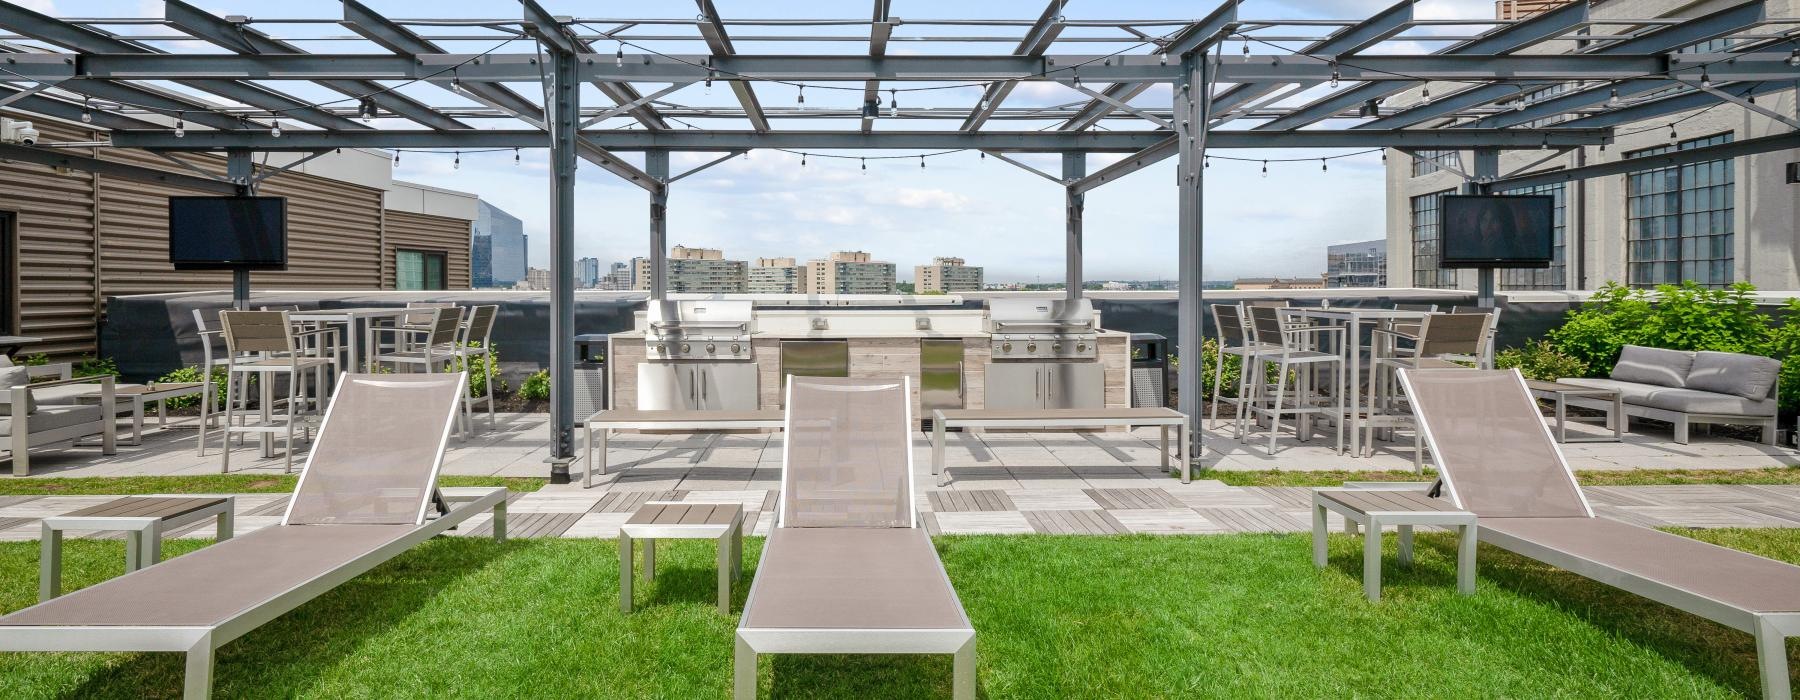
<point>87,111</point>
<point>1246,44</point>
<point>1077,75</point>
<point>1334,75</point>
<point>1612,100</point>
<point>275,130</point>
<point>801,95</point>
<point>893,103</point>
<point>1323,167</point>
<point>921,162</point>
<point>619,57</point>
<point>180,128</point>
<point>396,158</point>
<point>865,166</point>
<point>515,156</point>
<point>457,164</point>
<point>803,160</point>
<point>1705,79</point>
<point>1265,171</point>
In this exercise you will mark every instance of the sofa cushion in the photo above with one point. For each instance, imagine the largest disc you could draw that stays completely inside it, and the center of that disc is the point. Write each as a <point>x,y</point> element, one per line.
<point>1653,366</point>
<point>1682,400</point>
<point>9,378</point>
<point>53,417</point>
<point>1749,376</point>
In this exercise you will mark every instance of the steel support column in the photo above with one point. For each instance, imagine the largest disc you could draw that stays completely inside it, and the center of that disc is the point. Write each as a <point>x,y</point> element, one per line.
<point>1191,116</point>
<point>657,164</point>
<point>563,119</point>
<point>1074,202</point>
<point>1485,168</point>
<point>241,169</point>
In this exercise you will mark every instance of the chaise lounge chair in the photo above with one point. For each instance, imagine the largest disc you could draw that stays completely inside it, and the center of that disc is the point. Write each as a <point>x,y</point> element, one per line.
<point>362,500</point>
<point>1498,461</point>
<point>847,569</point>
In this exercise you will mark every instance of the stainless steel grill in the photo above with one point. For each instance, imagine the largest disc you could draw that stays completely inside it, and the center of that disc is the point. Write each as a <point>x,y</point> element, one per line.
<point>699,330</point>
<point>1036,329</point>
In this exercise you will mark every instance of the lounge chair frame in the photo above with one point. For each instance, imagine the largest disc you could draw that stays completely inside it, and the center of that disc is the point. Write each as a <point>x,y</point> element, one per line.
<point>1770,629</point>
<point>752,642</point>
<point>200,643</point>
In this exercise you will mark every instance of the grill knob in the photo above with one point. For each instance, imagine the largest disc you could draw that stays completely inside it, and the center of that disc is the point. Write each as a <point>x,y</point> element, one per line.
<point>735,348</point>
<point>1081,347</point>
<point>1006,347</point>
<point>662,349</point>
<point>1031,347</point>
<point>684,347</point>
<point>1056,347</point>
<point>709,348</point>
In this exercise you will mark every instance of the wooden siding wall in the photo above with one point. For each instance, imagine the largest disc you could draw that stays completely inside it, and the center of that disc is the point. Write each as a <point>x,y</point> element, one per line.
<point>335,240</point>
<point>432,234</point>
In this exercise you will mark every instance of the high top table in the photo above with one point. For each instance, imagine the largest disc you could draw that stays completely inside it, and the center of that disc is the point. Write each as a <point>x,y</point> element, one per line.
<point>349,317</point>
<point>1354,320</point>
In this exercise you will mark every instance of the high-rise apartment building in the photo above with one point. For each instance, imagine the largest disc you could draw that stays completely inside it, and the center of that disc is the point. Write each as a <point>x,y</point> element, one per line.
<point>617,279</point>
<point>775,276</point>
<point>1361,264</point>
<point>535,278</point>
<point>497,249</point>
<point>696,270</point>
<point>946,275</point>
<point>587,273</point>
<point>847,272</point>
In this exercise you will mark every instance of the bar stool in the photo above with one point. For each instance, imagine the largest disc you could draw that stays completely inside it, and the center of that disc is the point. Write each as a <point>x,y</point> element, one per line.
<point>1228,321</point>
<point>1486,359</point>
<point>1295,354</point>
<point>208,357</point>
<point>433,343</point>
<point>319,339</point>
<point>264,344</point>
<point>1443,341</point>
<point>475,348</point>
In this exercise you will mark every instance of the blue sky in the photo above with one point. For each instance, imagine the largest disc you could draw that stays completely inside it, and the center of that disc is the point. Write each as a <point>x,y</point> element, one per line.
<point>984,210</point>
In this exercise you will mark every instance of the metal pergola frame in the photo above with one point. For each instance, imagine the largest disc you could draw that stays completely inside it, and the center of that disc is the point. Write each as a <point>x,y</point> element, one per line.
<point>1559,79</point>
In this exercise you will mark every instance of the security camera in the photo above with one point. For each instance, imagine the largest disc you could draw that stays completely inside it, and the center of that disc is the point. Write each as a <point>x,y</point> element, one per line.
<point>28,136</point>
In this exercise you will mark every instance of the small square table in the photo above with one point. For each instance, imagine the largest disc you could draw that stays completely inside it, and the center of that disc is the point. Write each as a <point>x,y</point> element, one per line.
<point>144,519</point>
<point>683,520</point>
<point>1376,508</point>
<point>1560,393</point>
<point>139,395</point>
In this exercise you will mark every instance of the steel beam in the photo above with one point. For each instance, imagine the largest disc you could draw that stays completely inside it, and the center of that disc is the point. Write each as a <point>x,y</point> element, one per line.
<point>414,50</point>
<point>1675,104</point>
<point>620,93</point>
<point>245,40</point>
<point>880,30</point>
<point>63,158</point>
<point>713,30</point>
<point>1735,149</point>
<point>1485,167</point>
<point>1344,42</point>
<point>83,39</point>
<point>1004,141</point>
<point>1131,164</point>
<point>1670,38</point>
<point>61,109</point>
<point>1504,40</point>
<point>1037,41</point>
<point>1074,167</point>
<point>564,116</point>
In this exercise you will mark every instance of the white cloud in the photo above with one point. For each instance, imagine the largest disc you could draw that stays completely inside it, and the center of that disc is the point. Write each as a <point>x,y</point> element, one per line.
<point>912,198</point>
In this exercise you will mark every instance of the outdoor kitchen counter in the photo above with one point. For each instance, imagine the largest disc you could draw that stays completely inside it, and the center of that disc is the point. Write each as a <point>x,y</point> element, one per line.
<point>872,354</point>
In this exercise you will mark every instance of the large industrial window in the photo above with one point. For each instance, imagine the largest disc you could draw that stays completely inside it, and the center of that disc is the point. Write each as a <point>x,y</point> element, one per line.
<point>1679,220</point>
<point>1557,275</point>
<point>419,269</point>
<point>1426,273</point>
<point>1426,162</point>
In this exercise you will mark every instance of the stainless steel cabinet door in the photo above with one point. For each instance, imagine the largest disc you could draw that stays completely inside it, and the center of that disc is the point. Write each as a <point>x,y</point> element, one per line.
<point>1012,385</point>
<point>726,386</point>
<point>1073,385</point>
<point>666,386</point>
<point>940,374</point>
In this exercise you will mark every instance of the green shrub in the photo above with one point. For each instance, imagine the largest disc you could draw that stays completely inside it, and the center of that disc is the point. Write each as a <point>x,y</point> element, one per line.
<point>1541,360</point>
<point>1677,317</point>
<point>89,366</point>
<point>1783,343</point>
<point>487,366</point>
<point>193,374</point>
<point>37,360</point>
<point>536,387</point>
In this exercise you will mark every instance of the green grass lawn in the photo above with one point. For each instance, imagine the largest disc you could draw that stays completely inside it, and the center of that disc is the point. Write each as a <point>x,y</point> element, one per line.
<point>1129,616</point>
<point>211,483</point>
<point>1632,477</point>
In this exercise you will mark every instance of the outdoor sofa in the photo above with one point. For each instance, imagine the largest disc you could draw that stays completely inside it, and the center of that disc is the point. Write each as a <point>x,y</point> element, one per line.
<point>35,414</point>
<point>363,499</point>
<point>1684,388</point>
<point>1497,460</point>
<point>848,569</point>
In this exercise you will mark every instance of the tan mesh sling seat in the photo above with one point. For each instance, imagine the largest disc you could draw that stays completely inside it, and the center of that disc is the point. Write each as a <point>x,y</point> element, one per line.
<point>847,569</point>
<point>1498,461</point>
<point>363,499</point>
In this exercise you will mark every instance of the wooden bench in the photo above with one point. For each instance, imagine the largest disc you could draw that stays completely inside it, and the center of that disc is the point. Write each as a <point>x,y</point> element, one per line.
<point>630,419</point>
<point>1056,419</point>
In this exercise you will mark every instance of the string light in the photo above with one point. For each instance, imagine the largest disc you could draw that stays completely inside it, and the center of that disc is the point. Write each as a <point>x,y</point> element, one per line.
<point>457,164</point>
<point>1705,79</point>
<point>275,130</point>
<point>1794,60</point>
<point>180,125</point>
<point>921,162</point>
<point>1612,100</point>
<point>87,111</point>
<point>396,158</point>
<point>1265,171</point>
<point>1425,95</point>
<point>619,57</point>
<point>1334,75</point>
<point>893,103</point>
<point>801,96</point>
<point>515,156</point>
<point>1077,74</point>
<point>1163,58</point>
<point>1545,144</point>
<point>1323,167</point>
<point>1672,133</point>
<point>1246,38</point>
<point>803,160</point>
<point>1206,162</point>
<point>865,166</point>
<point>710,73</point>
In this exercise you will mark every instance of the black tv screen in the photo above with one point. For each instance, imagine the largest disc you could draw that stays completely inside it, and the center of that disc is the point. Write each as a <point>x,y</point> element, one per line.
<point>1497,231</point>
<point>228,233</point>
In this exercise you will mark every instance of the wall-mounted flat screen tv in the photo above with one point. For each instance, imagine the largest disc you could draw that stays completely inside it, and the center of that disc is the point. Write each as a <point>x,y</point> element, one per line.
<point>228,233</point>
<point>1496,231</point>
